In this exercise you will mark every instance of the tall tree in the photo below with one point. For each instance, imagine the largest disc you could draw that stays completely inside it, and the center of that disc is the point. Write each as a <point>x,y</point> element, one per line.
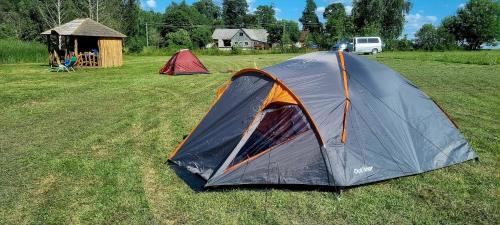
<point>183,16</point>
<point>149,20</point>
<point>265,15</point>
<point>208,8</point>
<point>478,22</point>
<point>234,12</point>
<point>367,13</point>
<point>131,17</point>
<point>53,13</point>
<point>393,19</point>
<point>432,38</point>
<point>337,22</point>
<point>201,36</point>
<point>309,19</point>
<point>21,20</point>
<point>384,17</point>
<point>426,37</point>
<point>284,32</point>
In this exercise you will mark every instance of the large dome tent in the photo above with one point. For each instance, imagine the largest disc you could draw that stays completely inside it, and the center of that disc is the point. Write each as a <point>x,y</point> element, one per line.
<point>323,119</point>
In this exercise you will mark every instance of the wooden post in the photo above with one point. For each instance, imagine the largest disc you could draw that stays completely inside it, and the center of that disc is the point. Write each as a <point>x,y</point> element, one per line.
<point>76,52</point>
<point>57,57</point>
<point>48,49</point>
<point>76,46</point>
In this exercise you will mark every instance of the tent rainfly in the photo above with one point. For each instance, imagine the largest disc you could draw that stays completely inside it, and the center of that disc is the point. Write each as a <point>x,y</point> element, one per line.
<point>94,44</point>
<point>183,62</point>
<point>321,119</point>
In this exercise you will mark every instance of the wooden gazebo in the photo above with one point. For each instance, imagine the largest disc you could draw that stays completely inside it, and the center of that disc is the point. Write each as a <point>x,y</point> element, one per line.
<point>94,44</point>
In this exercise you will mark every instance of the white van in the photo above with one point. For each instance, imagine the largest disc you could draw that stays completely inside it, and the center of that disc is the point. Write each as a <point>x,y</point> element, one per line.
<point>365,45</point>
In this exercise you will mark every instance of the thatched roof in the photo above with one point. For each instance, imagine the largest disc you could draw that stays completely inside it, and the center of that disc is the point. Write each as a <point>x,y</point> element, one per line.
<point>84,27</point>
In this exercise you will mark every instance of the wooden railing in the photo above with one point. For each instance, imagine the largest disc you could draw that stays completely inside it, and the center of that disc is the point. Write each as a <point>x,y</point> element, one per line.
<point>87,59</point>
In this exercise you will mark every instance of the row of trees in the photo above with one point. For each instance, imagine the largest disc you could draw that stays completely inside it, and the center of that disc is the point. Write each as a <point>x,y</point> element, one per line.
<point>383,18</point>
<point>192,25</point>
<point>478,22</point>
<point>26,19</point>
<point>184,25</point>
<point>369,17</point>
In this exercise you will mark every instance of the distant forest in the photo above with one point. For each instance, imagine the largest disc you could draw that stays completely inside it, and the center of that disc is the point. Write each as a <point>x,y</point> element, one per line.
<point>191,26</point>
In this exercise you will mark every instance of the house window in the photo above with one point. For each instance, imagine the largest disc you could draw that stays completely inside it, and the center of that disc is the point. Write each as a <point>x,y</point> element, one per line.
<point>246,43</point>
<point>227,43</point>
<point>241,34</point>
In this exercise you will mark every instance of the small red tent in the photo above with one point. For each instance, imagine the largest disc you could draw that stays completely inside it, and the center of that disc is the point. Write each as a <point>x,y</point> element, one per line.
<point>183,62</point>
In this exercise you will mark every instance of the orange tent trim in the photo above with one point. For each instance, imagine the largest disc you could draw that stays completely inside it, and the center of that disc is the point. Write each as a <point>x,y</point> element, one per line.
<point>297,99</point>
<point>346,91</point>
<point>279,93</point>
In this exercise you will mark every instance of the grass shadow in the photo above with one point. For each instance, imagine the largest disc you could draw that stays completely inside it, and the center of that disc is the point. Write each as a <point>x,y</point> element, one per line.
<point>195,182</point>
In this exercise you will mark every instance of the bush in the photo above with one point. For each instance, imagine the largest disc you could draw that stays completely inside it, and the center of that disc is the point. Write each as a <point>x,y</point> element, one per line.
<point>403,44</point>
<point>135,44</point>
<point>201,36</point>
<point>179,39</point>
<point>235,50</point>
<point>15,51</point>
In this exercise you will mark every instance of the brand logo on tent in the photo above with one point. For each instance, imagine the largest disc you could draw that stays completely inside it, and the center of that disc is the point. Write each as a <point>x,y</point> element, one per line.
<point>363,169</point>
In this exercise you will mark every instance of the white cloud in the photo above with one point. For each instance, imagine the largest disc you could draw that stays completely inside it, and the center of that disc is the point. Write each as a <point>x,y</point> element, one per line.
<point>347,5</point>
<point>348,9</point>
<point>320,10</point>
<point>345,2</point>
<point>277,10</point>
<point>251,8</point>
<point>415,21</point>
<point>151,3</point>
<point>461,5</point>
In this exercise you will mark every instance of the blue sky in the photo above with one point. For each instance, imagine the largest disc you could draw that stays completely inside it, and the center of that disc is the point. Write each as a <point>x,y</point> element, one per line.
<point>422,12</point>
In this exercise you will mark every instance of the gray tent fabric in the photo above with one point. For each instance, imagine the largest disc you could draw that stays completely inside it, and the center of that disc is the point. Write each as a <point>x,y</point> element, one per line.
<point>301,164</point>
<point>220,130</point>
<point>392,128</point>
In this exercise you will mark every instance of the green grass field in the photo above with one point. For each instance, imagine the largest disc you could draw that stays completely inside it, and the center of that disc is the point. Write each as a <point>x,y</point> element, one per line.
<point>90,146</point>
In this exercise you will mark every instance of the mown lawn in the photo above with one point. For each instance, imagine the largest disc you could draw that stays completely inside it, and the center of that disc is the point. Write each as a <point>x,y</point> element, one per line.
<point>90,146</point>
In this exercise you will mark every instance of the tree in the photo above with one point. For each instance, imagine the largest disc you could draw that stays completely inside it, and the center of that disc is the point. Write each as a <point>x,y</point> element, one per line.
<point>447,31</point>
<point>426,37</point>
<point>148,20</point>
<point>337,22</point>
<point>234,12</point>
<point>103,11</point>
<point>284,32</point>
<point>309,19</point>
<point>292,30</point>
<point>131,17</point>
<point>478,22</point>
<point>265,15</point>
<point>367,13</point>
<point>208,8</point>
<point>275,33</point>
<point>182,16</point>
<point>26,19</point>
<point>201,36</point>
<point>384,17</point>
<point>179,39</point>
<point>393,19</point>
<point>250,20</point>
<point>21,20</point>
